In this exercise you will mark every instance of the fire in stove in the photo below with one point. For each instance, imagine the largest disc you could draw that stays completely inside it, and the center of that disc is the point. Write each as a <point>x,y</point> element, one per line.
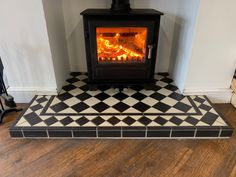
<point>121,44</point>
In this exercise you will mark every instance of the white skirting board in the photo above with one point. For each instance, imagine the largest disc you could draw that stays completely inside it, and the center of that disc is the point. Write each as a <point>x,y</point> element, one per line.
<point>25,95</point>
<point>215,95</point>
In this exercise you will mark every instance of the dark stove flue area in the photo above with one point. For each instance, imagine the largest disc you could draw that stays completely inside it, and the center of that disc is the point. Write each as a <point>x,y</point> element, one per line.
<point>121,44</point>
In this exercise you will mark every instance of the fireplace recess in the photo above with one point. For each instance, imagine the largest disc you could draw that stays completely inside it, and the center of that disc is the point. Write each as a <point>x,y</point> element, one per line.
<point>121,45</point>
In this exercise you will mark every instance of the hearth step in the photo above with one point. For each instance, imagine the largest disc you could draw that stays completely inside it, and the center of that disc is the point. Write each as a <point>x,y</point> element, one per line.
<point>134,113</point>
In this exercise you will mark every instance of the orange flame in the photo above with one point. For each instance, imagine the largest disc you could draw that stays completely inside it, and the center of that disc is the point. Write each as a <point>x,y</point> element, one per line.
<point>123,46</point>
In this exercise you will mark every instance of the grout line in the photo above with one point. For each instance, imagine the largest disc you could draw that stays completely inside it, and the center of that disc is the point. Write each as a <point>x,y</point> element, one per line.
<point>195,133</point>
<point>22,133</point>
<point>220,131</point>
<point>47,133</point>
<point>96,132</point>
<point>146,132</point>
<point>171,132</point>
<point>72,133</point>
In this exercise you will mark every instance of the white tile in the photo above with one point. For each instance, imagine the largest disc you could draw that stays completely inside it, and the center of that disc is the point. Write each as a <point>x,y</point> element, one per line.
<point>67,111</point>
<point>79,83</point>
<point>147,92</point>
<point>89,110</point>
<point>132,110</point>
<point>161,84</point>
<point>169,101</point>
<point>129,92</point>
<point>76,92</point>
<point>92,101</point>
<point>111,110</point>
<point>165,92</point>
<point>72,101</point>
<point>111,91</point>
<point>150,101</point>
<point>130,101</point>
<point>93,93</point>
<point>111,101</point>
<point>41,124</point>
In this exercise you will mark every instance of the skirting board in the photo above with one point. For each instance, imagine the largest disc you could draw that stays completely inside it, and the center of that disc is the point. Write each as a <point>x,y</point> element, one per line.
<point>25,95</point>
<point>215,95</point>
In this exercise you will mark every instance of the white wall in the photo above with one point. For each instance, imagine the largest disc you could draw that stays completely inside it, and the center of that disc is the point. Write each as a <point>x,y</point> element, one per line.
<point>74,28</point>
<point>184,29</point>
<point>213,59</point>
<point>57,38</point>
<point>24,48</point>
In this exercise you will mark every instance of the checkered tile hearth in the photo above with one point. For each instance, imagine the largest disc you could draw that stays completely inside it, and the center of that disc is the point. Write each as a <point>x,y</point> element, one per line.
<point>135,112</point>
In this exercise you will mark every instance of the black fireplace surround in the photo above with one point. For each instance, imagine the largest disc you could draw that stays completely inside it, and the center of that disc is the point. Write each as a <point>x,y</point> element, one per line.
<point>121,44</point>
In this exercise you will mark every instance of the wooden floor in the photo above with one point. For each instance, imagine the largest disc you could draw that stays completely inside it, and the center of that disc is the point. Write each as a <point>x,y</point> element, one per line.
<point>115,158</point>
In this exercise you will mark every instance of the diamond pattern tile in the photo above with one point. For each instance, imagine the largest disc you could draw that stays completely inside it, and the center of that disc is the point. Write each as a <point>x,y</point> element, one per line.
<point>163,106</point>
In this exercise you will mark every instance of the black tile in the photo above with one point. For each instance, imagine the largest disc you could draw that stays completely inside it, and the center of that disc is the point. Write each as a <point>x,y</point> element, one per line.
<point>163,74</point>
<point>114,120</point>
<point>158,133</point>
<point>109,134</point>
<point>75,74</point>
<point>100,107</point>
<point>80,107</point>
<point>200,100</point>
<point>120,96</point>
<point>98,120</point>
<point>209,118</point>
<point>32,118</point>
<point>183,133</point>
<point>207,132</point>
<point>133,133</point>
<point>176,120</point>
<point>137,87</point>
<point>121,107</point>
<point>157,96</point>
<point>160,120</point>
<point>66,121</point>
<point>69,87</point>
<point>176,96</point>
<point>117,128</point>
<point>83,96</point>
<point>85,134</point>
<point>36,107</point>
<point>171,87</point>
<point>134,128</point>
<point>142,107</point>
<point>81,121</point>
<point>16,133</point>
<point>50,121</point>
<point>167,80</point>
<point>162,107</point>
<point>72,80</point>
<point>182,107</point>
<point>156,88</point>
<point>59,107</point>
<point>84,88</point>
<point>35,133</point>
<point>144,120</point>
<point>226,132</point>
<point>205,107</point>
<point>192,120</point>
<point>129,120</point>
<point>102,96</point>
<point>59,133</point>
<point>41,100</point>
<point>64,96</point>
<point>104,87</point>
<point>139,96</point>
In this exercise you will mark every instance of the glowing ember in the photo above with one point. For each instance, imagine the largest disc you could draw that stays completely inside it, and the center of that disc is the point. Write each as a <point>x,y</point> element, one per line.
<point>121,44</point>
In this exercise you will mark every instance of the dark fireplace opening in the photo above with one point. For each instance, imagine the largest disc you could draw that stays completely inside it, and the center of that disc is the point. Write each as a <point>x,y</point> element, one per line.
<point>121,45</point>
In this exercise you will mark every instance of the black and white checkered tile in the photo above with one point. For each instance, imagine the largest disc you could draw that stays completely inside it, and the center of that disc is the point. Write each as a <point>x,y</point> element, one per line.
<point>135,112</point>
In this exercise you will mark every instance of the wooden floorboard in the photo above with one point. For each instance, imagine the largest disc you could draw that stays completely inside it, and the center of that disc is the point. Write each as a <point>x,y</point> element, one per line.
<point>113,158</point>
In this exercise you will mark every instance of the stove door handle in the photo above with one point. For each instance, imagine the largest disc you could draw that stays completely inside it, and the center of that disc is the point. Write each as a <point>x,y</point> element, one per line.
<point>150,48</point>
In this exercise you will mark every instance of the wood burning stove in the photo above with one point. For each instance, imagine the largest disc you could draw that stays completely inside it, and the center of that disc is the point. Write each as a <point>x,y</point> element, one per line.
<point>121,44</point>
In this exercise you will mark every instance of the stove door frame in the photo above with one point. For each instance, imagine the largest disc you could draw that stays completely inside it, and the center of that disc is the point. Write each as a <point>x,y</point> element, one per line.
<point>127,74</point>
